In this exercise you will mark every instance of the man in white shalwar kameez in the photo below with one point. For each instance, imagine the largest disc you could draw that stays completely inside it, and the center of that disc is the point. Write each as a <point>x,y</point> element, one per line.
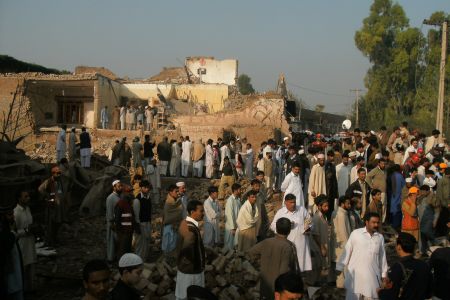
<point>209,159</point>
<point>232,206</point>
<point>365,258</point>
<point>343,174</point>
<point>123,113</point>
<point>224,152</point>
<point>174,167</point>
<point>186,148</point>
<point>111,237</point>
<point>61,144</point>
<point>292,184</point>
<point>211,233</point>
<point>317,183</point>
<point>301,223</point>
<point>248,160</point>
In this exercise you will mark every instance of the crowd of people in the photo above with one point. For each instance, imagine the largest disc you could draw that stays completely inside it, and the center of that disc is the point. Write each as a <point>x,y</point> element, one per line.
<point>335,193</point>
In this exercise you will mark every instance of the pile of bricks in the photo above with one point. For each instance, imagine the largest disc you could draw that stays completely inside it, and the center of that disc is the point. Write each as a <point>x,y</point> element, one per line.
<point>228,274</point>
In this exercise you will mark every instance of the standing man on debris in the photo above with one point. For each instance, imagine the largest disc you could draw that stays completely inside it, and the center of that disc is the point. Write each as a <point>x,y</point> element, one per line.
<point>301,224</point>
<point>116,118</point>
<point>104,117</point>
<point>26,239</point>
<point>111,236</point>
<point>124,221</point>
<point>278,256</point>
<point>55,195</point>
<point>227,177</point>
<point>148,151</point>
<point>137,150</point>
<point>175,159</point>
<point>123,117</point>
<point>232,207</point>
<point>183,196</point>
<point>186,154</point>
<point>11,275</point>
<point>365,259</point>
<point>172,215</point>
<point>211,234</point>
<point>61,143</point>
<point>85,148</point>
<point>72,145</point>
<point>191,252</point>
<point>142,207</point>
<point>209,159</point>
<point>248,222</point>
<point>148,118</point>
<point>249,157</point>
<point>198,159</point>
<point>164,150</point>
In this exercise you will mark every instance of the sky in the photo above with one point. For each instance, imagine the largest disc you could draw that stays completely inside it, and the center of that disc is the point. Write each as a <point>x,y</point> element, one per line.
<point>311,42</point>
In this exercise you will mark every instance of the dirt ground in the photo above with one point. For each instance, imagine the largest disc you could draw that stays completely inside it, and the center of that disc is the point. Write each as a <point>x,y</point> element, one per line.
<point>59,277</point>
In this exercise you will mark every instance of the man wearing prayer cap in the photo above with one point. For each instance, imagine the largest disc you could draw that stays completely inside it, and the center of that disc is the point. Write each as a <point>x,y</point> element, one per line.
<point>111,236</point>
<point>130,269</point>
<point>183,195</point>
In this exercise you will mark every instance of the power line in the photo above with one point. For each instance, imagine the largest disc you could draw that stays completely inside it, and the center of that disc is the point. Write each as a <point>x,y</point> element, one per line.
<point>317,91</point>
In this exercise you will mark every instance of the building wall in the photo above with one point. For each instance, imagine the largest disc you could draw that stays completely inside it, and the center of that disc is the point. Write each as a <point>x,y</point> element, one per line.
<point>212,95</point>
<point>257,123</point>
<point>108,94</point>
<point>217,71</point>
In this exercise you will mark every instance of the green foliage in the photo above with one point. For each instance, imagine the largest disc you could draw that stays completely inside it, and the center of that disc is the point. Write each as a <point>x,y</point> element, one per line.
<point>402,82</point>
<point>245,85</point>
<point>9,64</point>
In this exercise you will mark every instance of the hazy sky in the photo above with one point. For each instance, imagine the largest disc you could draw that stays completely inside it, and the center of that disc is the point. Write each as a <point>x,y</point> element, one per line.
<point>310,41</point>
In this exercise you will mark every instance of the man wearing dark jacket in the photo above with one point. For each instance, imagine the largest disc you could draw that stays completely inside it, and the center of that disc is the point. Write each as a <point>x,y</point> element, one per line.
<point>164,151</point>
<point>331,182</point>
<point>191,252</point>
<point>360,189</point>
<point>409,278</point>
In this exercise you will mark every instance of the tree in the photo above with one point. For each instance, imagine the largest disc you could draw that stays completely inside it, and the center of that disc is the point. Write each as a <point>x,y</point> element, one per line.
<point>245,85</point>
<point>402,80</point>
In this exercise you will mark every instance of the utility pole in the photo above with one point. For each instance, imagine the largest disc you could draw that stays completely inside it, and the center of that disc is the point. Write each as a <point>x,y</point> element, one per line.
<point>440,106</point>
<point>356,91</point>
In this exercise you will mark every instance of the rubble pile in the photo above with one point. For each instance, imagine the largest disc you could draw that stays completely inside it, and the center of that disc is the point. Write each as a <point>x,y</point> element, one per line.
<point>228,274</point>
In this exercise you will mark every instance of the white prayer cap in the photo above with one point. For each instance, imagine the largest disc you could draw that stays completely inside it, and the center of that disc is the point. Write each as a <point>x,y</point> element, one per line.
<point>180,184</point>
<point>353,153</point>
<point>130,260</point>
<point>320,156</point>
<point>146,106</point>
<point>115,182</point>
<point>441,145</point>
<point>378,156</point>
<point>285,138</point>
<point>238,139</point>
<point>430,182</point>
<point>408,180</point>
<point>411,149</point>
<point>372,132</point>
<point>301,151</point>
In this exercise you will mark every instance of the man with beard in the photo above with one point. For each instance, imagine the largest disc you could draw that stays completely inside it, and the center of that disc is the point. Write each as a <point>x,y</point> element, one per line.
<point>343,174</point>
<point>317,182</point>
<point>377,180</point>
<point>365,258</point>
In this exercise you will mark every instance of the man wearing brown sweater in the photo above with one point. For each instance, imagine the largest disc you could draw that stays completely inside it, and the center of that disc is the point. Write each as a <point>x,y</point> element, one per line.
<point>191,252</point>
